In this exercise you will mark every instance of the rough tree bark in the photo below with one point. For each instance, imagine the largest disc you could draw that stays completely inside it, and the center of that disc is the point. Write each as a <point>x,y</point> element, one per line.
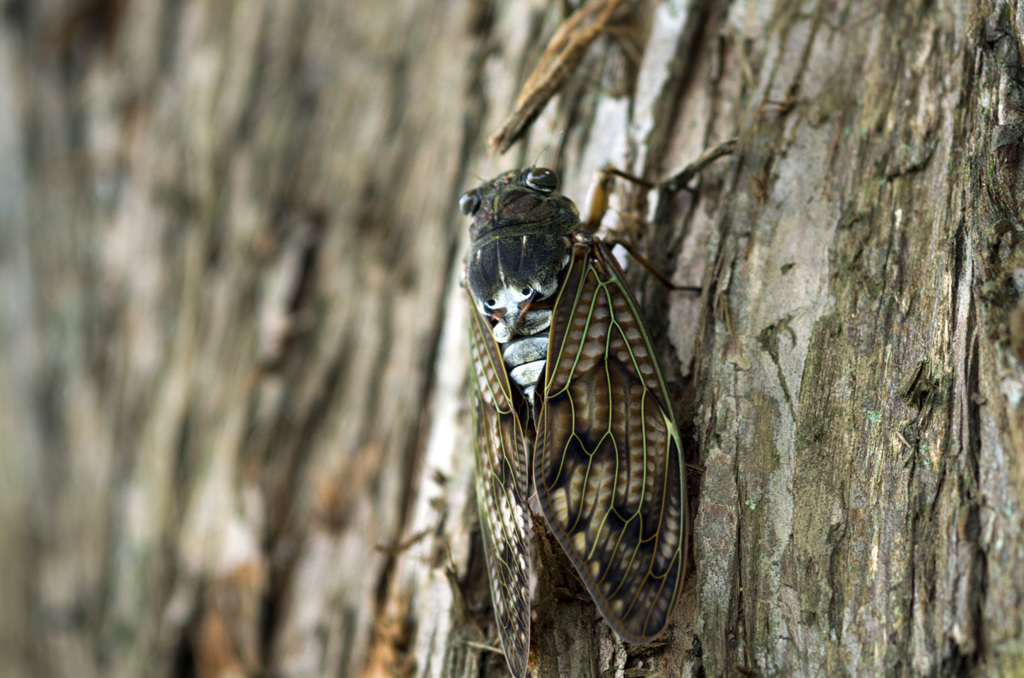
<point>234,432</point>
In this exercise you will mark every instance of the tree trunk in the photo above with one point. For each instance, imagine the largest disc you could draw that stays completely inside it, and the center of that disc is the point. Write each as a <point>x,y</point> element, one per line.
<point>234,421</point>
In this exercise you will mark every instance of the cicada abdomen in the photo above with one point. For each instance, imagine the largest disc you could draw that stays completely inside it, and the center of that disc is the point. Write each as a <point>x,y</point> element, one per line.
<point>570,403</point>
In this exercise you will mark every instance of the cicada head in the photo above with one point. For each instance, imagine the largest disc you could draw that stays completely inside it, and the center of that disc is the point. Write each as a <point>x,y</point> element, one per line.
<point>519,241</point>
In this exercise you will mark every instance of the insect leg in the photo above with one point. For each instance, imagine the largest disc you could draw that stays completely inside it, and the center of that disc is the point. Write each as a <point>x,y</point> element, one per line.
<point>596,207</point>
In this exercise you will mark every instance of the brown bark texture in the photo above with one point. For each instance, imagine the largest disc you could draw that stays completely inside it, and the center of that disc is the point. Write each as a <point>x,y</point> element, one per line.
<point>235,433</point>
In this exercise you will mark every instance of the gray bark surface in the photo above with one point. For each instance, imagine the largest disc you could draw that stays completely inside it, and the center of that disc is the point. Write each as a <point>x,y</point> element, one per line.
<point>235,434</point>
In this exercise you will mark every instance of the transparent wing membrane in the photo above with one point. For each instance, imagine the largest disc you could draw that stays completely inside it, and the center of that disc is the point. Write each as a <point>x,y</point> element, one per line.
<point>500,493</point>
<point>608,467</point>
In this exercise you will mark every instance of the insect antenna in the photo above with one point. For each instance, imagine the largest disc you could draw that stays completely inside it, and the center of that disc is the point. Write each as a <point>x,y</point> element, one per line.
<point>547,147</point>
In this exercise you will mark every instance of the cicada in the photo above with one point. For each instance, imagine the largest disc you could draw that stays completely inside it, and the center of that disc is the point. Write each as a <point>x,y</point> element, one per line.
<point>569,403</point>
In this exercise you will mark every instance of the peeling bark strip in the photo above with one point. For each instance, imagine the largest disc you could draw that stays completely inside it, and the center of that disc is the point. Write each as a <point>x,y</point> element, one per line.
<point>234,352</point>
<point>559,61</point>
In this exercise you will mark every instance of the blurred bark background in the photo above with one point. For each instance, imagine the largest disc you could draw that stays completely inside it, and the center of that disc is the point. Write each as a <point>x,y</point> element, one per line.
<point>234,434</point>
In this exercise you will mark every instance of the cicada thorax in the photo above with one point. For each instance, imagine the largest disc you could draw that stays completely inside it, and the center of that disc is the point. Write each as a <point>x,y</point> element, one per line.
<point>519,299</point>
<point>521,243</point>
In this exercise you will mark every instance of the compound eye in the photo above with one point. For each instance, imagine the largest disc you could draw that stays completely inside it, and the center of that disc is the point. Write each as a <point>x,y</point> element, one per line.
<point>469,203</point>
<point>542,179</point>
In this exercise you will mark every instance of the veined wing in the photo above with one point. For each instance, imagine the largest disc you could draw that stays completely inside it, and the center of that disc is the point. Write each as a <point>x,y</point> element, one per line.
<point>608,463</point>
<point>501,492</point>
